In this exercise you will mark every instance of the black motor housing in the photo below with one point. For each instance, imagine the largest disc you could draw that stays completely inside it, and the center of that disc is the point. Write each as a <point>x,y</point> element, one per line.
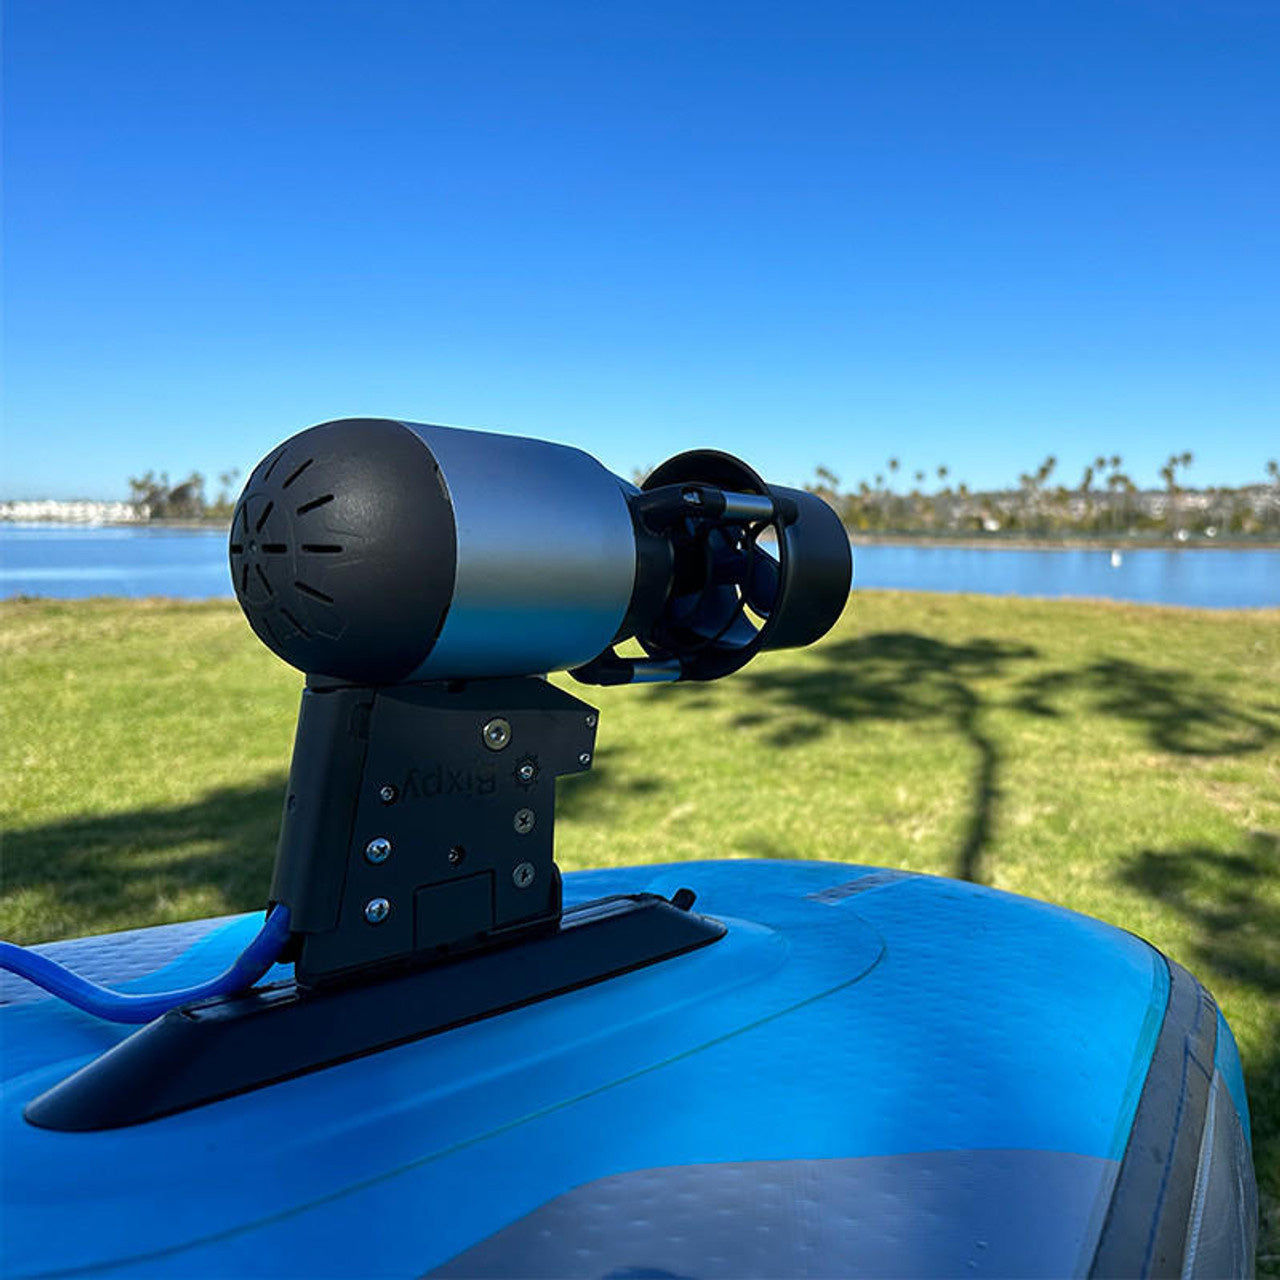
<point>343,551</point>
<point>378,552</point>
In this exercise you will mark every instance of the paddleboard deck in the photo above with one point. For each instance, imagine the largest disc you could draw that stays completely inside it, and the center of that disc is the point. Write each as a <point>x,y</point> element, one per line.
<point>872,1073</point>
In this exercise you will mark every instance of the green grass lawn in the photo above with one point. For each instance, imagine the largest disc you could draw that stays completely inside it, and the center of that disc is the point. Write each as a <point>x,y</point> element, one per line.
<point>1123,761</point>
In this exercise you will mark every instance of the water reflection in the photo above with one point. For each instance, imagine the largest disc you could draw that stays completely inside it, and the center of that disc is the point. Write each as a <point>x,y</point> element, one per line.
<point>71,562</point>
<point>1208,579</point>
<point>192,564</point>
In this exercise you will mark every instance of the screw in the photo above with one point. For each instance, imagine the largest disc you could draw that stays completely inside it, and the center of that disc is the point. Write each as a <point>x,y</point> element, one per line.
<point>376,910</point>
<point>496,733</point>
<point>527,771</point>
<point>523,821</point>
<point>377,850</point>
<point>591,721</point>
<point>522,876</point>
<point>388,794</point>
<point>456,855</point>
<point>585,758</point>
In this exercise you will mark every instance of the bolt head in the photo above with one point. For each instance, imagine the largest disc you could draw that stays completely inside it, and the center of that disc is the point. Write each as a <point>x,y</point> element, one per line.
<point>388,794</point>
<point>496,733</point>
<point>377,850</point>
<point>522,876</point>
<point>527,772</point>
<point>585,758</point>
<point>456,855</point>
<point>376,910</point>
<point>591,721</point>
<point>523,821</point>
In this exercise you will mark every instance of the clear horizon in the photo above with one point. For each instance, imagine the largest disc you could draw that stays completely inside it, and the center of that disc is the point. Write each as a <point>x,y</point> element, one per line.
<point>819,237</point>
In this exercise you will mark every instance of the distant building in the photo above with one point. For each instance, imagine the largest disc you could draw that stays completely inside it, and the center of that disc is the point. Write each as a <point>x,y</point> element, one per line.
<point>50,511</point>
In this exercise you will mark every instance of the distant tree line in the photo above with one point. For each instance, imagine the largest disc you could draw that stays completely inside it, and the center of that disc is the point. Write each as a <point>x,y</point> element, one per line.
<point>1104,502</point>
<point>155,497</point>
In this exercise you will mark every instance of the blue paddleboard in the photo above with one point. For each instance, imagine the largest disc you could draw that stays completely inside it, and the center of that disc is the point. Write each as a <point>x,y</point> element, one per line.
<point>872,1074</point>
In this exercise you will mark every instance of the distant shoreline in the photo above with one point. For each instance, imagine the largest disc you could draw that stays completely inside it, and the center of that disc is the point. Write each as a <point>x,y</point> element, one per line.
<point>959,542</point>
<point>1092,542</point>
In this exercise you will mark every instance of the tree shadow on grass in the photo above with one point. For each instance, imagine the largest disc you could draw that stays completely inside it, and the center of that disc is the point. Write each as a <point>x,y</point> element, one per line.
<point>1175,709</point>
<point>1236,937</point>
<point>121,868</point>
<point>902,677</point>
<point>126,865</point>
<point>912,678</point>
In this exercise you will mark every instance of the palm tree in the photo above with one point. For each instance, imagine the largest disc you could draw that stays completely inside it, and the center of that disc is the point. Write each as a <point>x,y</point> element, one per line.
<point>226,479</point>
<point>825,481</point>
<point>1086,490</point>
<point>1273,471</point>
<point>1031,483</point>
<point>1121,487</point>
<point>1169,474</point>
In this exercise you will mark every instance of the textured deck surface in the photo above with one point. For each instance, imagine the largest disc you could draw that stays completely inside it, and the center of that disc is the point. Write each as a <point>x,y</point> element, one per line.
<point>873,1073</point>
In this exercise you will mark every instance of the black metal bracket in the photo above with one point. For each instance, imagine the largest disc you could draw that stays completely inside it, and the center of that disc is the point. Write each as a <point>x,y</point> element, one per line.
<point>419,820</point>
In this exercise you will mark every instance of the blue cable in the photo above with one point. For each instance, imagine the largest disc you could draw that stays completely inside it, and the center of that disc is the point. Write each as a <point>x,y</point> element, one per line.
<point>116,1006</point>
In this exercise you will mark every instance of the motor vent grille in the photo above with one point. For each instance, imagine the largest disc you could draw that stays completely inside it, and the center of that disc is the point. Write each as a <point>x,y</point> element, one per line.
<point>335,549</point>
<point>262,549</point>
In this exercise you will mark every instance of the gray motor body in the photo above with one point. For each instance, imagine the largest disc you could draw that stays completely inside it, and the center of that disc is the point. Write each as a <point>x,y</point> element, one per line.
<point>542,583</point>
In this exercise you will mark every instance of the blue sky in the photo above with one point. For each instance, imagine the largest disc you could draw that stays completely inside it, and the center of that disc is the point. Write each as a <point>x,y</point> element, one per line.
<point>954,233</point>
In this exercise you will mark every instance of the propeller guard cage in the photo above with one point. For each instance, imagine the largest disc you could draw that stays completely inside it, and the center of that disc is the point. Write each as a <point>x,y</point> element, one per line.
<point>727,598</point>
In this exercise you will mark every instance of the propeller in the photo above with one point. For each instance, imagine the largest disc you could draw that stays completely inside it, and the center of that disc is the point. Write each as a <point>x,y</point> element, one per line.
<point>721,570</point>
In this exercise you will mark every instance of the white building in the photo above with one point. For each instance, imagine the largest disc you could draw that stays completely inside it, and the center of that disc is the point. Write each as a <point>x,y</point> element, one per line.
<point>79,512</point>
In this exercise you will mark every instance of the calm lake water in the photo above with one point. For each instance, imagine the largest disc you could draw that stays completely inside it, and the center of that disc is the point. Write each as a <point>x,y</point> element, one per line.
<point>69,562</point>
